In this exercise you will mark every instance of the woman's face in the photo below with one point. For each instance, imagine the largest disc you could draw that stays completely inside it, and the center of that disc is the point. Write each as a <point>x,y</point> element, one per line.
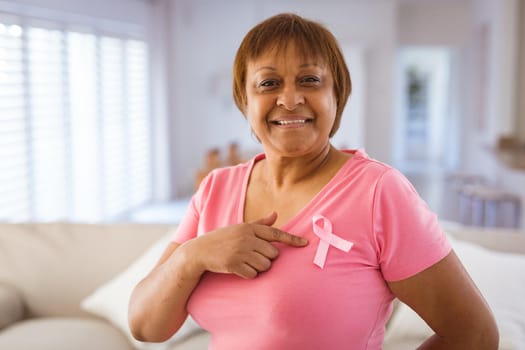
<point>291,104</point>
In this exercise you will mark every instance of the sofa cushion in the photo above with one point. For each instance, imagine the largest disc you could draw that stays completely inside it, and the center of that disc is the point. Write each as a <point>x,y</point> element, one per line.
<point>11,305</point>
<point>56,265</point>
<point>498,239</point>
<point>501,279</point>
<point>111,299</point>
<point>63,334</point>
<point>401,343</point>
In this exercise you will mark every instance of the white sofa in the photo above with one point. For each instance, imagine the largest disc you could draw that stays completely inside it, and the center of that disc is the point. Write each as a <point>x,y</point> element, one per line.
<point>66,286</point>
<point>48,269</point>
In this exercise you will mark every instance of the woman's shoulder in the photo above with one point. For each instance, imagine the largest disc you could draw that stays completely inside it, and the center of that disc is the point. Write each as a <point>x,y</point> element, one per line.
<point>233,170</point>
<point>370,173</point>
<point>361,162</point>
<point>234,174</point>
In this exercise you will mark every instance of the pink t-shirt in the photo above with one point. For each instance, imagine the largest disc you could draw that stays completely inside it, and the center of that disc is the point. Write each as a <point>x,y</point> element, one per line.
<point>297,304</point>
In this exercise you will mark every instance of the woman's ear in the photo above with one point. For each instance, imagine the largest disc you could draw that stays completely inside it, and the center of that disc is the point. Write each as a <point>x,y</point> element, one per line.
<point>244,110</point>
<point>254,136</point>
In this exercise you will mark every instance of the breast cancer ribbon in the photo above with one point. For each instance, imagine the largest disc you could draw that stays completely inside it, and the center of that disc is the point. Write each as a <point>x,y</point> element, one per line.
<point>323,229</point>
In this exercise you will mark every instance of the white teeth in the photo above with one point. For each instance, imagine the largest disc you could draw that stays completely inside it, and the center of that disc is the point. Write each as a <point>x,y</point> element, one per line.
<point>289,122</point>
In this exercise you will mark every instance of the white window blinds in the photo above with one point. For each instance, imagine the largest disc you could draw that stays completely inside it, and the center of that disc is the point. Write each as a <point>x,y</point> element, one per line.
<point>14,142</point>
<point>115,130</point>
<point>48,124</point>
<point>140,144</point>
<point>74,124</point>
<point>86,146</point>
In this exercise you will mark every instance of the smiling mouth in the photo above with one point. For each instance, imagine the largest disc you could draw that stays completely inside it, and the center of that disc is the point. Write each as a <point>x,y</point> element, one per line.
<point>291,122</point>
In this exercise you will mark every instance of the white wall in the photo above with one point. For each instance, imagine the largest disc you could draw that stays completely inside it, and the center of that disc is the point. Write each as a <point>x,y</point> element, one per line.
<point>351,133</point>
<point>134,13</point>
<point>495,106</point>
<point>441,23</point>
<point>205,36</point>
<point>161,68</point>
<point>520,101</point>
<point>202,113</point>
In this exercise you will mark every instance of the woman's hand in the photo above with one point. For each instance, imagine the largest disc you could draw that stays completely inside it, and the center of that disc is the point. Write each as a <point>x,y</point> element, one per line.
<point>158,303</point>
<point>243,249</point>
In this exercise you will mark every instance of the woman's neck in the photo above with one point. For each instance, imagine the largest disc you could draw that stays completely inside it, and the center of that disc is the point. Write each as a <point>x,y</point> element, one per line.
<point>281,172</point>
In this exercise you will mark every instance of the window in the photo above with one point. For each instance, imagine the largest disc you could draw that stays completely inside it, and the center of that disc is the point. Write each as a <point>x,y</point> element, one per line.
<point>14,152</point>
<point>74,124</point>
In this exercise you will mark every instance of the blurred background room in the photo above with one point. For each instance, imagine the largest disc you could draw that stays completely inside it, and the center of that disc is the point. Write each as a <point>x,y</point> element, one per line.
<point>112,111</point>
<point>108,109</point>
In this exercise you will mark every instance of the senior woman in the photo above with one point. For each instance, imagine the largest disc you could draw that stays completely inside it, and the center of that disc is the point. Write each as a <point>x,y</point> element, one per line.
<point>305,246</point>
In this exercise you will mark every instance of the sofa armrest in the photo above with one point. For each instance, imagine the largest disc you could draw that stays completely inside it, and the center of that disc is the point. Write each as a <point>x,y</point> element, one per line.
<point>11,305</point>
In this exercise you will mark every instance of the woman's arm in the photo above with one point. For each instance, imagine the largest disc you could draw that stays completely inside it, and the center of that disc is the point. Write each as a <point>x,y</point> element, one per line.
<point>448,300</point>
<point>157,306</point>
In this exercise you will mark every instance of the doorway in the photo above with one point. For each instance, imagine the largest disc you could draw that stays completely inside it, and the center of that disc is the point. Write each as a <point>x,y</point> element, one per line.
<point>427,123</point>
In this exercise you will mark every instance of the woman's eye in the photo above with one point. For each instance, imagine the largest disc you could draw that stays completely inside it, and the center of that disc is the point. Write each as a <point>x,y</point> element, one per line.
<point>310,80</point>
<point>269,83</point>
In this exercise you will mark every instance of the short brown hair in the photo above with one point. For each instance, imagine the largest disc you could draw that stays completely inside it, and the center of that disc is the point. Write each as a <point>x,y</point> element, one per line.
<point>311,38</point>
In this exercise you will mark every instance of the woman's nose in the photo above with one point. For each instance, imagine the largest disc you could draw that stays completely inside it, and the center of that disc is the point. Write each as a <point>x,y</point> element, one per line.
<point>290,97</point>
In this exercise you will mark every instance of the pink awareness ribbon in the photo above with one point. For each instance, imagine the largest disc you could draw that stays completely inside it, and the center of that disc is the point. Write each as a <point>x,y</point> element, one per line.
<point>323,229</point>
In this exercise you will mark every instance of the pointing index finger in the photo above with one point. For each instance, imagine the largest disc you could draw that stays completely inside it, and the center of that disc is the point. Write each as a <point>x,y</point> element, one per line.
<point>273,234</point>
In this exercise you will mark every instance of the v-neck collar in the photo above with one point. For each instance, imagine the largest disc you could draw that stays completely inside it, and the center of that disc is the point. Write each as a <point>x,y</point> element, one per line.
<point>357,154</point>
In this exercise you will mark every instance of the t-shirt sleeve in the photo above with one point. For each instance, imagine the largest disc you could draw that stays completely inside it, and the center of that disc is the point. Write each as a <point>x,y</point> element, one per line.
<point>189,225</point>
<point>187,228</point>
<point>408,235</point>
